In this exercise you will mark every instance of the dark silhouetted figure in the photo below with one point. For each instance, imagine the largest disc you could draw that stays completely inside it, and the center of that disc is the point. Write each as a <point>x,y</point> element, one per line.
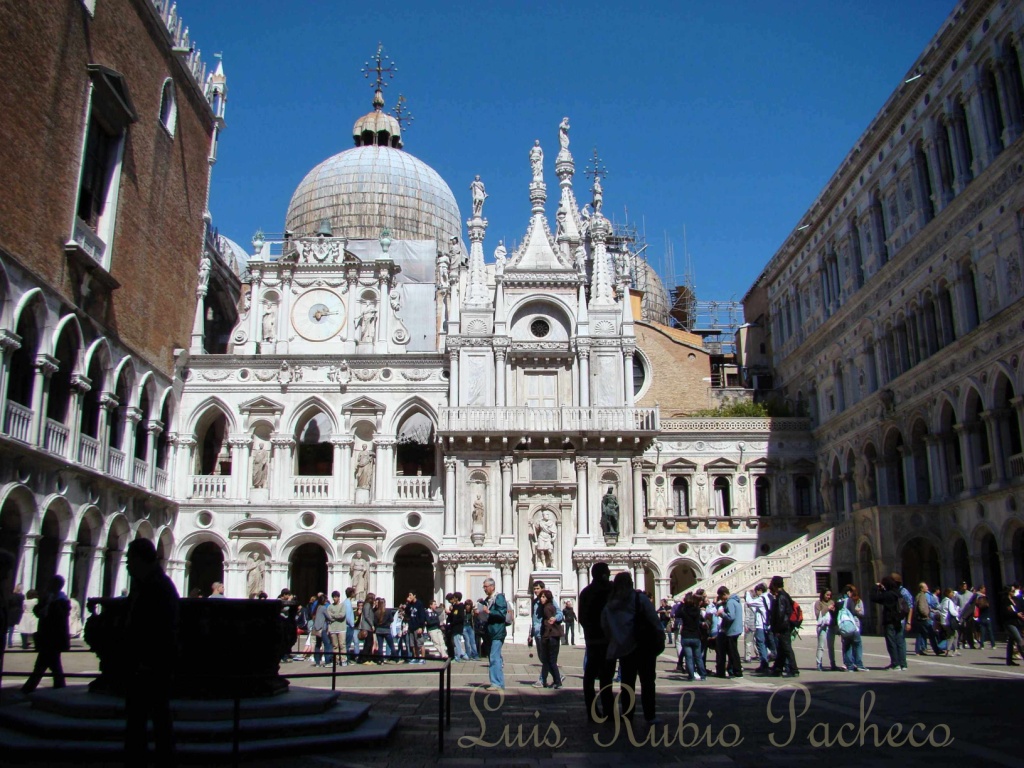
<point>52,636</point>
<point>593,600</point>
<point>151,643</point>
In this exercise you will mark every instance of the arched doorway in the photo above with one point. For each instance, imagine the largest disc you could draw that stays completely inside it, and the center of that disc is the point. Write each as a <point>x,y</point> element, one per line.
<point>991,565</point>
<point>414,572</point>
<point>682,577</point>
<point>205,566</point>
<point>47,550</point>
<point>920,562</point>
<point>961,564</point>
<point>308,571</point>
<point>82,561</point>
<point>10,540</point>
<point>117,541</point>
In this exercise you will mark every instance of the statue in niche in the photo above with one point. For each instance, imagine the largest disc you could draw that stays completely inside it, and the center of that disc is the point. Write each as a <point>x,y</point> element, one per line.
<point>359,571</point>
<point>544,533</point>
<point>366,325</point>
<point>364,468</point>
<point>478,514</point>
<point>559,222</point>
<point>610,513</point>
<point>537,162</point>
<point>269,326</point>
<point>479,195</point>
<point>1013,280</point>
<point>255,574</point>
<point>260,464</point>
<point>563,135</point>
<point>442,271</point>
<point>204,272</point>
<point>864,481</point>
<point>825,488</point>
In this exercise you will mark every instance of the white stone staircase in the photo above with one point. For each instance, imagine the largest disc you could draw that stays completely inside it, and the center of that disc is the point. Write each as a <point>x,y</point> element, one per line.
<point>785,562</point>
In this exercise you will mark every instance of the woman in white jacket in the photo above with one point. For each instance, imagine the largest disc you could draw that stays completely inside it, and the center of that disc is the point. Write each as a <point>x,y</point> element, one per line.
<point>29,623</point>
<point>949,618</point>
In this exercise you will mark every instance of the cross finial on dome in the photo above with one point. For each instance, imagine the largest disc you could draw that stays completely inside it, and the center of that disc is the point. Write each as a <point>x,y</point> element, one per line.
<point>402,113</point>
<point>382,65</point>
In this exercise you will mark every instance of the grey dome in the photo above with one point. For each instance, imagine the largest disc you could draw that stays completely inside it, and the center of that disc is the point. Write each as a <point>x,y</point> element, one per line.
<point>654,305</point>
<point>365,189</point>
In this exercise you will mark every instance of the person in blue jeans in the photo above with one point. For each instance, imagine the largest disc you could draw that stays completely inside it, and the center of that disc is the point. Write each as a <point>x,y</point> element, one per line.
<point>690,619</point>
<point>470,634</point>
<point>984,620</point>
<point>497,607</point>
<point>853,646</point>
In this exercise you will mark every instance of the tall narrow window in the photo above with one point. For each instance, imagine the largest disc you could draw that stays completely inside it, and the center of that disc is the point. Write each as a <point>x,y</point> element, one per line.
<point>168,107</point>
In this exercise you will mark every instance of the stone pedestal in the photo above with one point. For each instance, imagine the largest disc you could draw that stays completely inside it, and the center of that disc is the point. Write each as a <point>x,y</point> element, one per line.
<point>362,496</point>
<point>611,541</point>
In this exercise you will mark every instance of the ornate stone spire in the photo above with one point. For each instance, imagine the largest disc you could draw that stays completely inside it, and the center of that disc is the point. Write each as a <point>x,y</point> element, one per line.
<point>601,292</point>
<point>569,225</point>
<point>477,294</point>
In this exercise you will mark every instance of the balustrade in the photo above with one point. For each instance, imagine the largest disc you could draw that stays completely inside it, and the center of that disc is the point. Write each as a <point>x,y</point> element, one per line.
<point>1017,465</point>
<point>209,487</point>
<point>18,422</point>
<point>566,419</point>
<point>416,488</point>
<point>55,439</point>
<point>88,451</point>
<point>115,463</point>
<point>311,488</point>
<point>139,471</point>
<point>160,481</point>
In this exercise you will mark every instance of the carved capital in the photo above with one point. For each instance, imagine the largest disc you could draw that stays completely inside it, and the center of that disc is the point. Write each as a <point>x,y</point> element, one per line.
<point>450,462</point>
<point>108,401</point>
<point>240,442</point>
<point>506,463</point>
<point>80,383</point>
<point>282,442</point>
<point>581,463</point>
<point>9,341</point>
<point>637,462</point>
<point>342,440</point>
<point>154,427</point>
<point>185,441</point>
<point>46,365</point>
<point>132,414</point>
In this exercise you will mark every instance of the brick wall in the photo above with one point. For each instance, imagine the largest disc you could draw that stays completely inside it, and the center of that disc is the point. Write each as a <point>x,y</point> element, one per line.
<point>680,372</point>
<point>44,50</point>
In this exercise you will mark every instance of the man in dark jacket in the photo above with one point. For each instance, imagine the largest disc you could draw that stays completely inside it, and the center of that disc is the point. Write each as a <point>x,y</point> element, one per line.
<point>151,642</point>
<point>782,607</point>
<point>416,616</point>
<point>887,594</point>
<point>597,667</point>
<point>52,637</point>
<point>456,625</point>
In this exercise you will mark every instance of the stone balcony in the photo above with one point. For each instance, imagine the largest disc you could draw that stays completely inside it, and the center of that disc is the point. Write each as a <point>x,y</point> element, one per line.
<point>521,420</point>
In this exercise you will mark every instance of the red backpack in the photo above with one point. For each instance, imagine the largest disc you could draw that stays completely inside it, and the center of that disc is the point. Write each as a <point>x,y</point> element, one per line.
<point>796,616</point>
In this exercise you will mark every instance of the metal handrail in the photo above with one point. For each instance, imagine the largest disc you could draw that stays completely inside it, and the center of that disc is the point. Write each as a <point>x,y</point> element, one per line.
<point>444,687</point>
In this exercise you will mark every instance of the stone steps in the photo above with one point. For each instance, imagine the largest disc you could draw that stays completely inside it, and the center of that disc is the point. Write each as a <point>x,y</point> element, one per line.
<point>67,723</point>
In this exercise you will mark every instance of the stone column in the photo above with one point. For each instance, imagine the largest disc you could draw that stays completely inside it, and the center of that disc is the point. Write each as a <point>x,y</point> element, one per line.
<point>94,586</point>
<point>9,343</point>
<point>499,376</point>
<point>153,429</point>
<point>383,311</point>
<point>449,499</point>
<point>132,416</point>
<point>351,302</point>
<point>338,465</point>
<point>241,471</point>
<point>506,500</point>
<point>584,357</point>
<point>991,426</point>
<point>284,311</point>
<point>582,573</point>
<point>80,385</point>
<point>1008,102</point>
<point>345,486</point>
<point>453,378</point>
<point>45,366</point>
<point>108,403</point>
<point>65,563</point>
<point>663,590</point>
<point>627,365</point>
<point>234,579</point>
<point>281,466</point>
<point>449,576</point>
<point>936,467</point>
<point>638,497</point>
<point>385,467</point>
<point>906,458</point>
<point>582,500</point>
<point>121,582</point>
<point>29,555</point>
<point>972,108</point>
<point>505,568</point>
<point>963,434</point>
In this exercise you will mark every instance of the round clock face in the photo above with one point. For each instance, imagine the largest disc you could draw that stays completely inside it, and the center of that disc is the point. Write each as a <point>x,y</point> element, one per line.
<point>318,315</point>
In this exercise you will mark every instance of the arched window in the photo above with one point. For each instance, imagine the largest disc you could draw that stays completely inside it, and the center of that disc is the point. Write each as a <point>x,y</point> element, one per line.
<point>970,296</point>
<point>946,167</point>
<point>952,456</point>
<point>924,182</point>
<point>141,428</point>
<point>995,124</point>
<point>314,453</point>
<point>213,455</point>
<point>415,452</point>
<point>723,497</point>
<point>762,497</point>
<point>168,107</point>
<point>802,496</point>
<point>880,229</point>
<point>21,375</point>
<point>964,148</point>
<point>681,497</point>
<point>858,256</point>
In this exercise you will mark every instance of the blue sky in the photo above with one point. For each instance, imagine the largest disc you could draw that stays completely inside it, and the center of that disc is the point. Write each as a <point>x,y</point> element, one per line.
<point>726,118</point>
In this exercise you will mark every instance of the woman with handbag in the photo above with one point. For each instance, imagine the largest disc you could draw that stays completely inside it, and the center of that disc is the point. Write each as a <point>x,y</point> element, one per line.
<point>551,637</point>
<point>367,629</point>
<point>949,617</point>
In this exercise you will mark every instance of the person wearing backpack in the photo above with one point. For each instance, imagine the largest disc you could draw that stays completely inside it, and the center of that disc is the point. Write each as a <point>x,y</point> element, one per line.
<point>782,628</point>
<point>887,594</point>
<point>849,616</point>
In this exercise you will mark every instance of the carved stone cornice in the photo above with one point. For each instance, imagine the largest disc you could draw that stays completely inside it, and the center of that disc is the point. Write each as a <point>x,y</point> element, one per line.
<point>282,441</point>
<point>240,442</point>
<point>501,558</point>
<point>154,427</point>
<point>132,414</point>
<point>9,341</point>
<point>47,365</point>
<point>80,383</point>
